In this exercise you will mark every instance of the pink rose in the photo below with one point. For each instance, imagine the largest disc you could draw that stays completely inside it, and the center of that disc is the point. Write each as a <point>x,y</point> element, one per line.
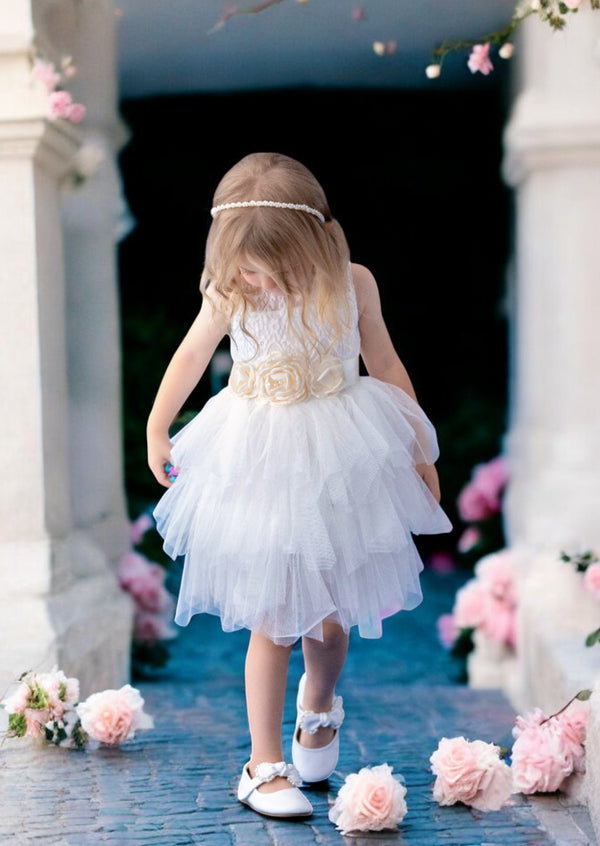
<point>144,580</point>
<point>540,759</point>
<point>447,631</point>
<point>46,73</point>
<point>479,60</point>
<point>469,539</point>
<point>591,579</point>
<point>471,773</point>
<point>370,800</point>
<point>470,605</point>
<point>573,4</point>
<point>59,104</point>
<point>113,716</point>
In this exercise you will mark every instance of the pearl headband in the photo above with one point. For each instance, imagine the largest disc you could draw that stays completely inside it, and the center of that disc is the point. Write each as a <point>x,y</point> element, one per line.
<point>270,204</point>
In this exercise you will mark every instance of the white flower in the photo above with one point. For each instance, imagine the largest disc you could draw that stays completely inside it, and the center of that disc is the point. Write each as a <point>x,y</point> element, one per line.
<point>507,50</point>
<point>433,71</point>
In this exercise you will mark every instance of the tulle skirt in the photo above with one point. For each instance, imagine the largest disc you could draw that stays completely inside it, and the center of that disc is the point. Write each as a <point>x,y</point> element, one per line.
<point>292,515</point>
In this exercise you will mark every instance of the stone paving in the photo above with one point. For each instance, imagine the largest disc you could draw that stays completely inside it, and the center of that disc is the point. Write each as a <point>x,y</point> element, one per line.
<point>174,785</point>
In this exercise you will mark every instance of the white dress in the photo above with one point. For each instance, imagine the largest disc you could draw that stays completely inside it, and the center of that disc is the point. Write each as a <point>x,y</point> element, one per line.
<point>297,497</point>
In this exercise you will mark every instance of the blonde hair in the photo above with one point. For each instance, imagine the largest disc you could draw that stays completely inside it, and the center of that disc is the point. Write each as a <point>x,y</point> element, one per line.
<point>306,258</point>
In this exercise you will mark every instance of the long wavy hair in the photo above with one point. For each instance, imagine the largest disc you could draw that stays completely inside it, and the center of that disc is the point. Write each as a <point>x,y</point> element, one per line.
<point>306,258</point>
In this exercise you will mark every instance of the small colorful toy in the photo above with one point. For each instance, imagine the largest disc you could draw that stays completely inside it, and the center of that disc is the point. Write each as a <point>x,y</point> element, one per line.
<point>172,471</point>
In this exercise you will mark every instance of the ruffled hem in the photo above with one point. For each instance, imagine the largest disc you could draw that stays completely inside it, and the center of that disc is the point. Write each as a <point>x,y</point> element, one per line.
<point>292,515</point>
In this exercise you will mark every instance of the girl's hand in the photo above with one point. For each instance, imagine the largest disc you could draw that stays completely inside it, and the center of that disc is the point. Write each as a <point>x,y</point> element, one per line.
<point>159,454</point>
<point>430,476</point>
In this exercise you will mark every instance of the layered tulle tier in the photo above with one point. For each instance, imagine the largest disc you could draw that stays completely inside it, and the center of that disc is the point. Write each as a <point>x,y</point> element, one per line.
<point>291,515</point>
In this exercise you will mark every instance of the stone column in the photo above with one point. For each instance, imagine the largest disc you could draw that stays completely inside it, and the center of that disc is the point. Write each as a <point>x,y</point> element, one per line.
<point>59,599</point>
<point>553,162</point>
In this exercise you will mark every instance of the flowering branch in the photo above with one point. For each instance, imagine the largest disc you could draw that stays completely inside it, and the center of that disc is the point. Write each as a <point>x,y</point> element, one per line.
<point>552,12</point>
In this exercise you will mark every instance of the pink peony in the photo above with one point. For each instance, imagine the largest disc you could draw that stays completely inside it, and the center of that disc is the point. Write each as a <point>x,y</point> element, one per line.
<point>113,716</point>
<point>447,631</point>
<point>591,579</point>
<point>470,538</point>
<point>531,720</point>
<point>479,60</point>
<point>572,4</point>
<point>541,760</point>
<point>59,105</point>
<point>370,800</point>
<point>46,73</point>
<point>470,605</point>
<point>470,772</point>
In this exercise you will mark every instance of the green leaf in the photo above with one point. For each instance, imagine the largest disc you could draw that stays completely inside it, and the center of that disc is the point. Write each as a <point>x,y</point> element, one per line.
<point>593,638</point>
<point>17,724</point>
<point>583,695</point>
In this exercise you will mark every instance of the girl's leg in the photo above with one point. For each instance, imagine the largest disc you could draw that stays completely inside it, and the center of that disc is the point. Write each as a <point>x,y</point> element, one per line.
<point>324,661</point>
<point>266,679</point>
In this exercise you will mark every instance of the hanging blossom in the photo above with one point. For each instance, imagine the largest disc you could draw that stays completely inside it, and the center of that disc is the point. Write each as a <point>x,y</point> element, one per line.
<point>60,102</point>
<point>551,12</point>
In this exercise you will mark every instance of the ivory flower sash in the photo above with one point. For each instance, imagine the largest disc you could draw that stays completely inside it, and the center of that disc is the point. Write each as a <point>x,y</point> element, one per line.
<point>283,378</point>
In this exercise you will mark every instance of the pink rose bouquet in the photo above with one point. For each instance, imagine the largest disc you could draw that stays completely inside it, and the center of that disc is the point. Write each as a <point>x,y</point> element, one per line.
<point>370,800</point>
<point>42,706</point>
<point>470,772</point>
<point>45,707</point>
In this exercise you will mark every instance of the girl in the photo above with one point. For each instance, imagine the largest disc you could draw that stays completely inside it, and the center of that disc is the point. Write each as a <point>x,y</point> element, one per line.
<point>299,485</point>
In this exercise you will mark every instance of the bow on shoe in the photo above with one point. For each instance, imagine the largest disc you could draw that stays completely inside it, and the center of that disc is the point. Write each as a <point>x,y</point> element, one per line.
<point>311,722</point>
<point>267,772</point>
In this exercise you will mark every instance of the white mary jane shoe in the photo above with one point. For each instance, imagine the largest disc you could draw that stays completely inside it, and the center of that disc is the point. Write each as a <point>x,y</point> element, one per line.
<point>289,802</point>
<point>316,765</point>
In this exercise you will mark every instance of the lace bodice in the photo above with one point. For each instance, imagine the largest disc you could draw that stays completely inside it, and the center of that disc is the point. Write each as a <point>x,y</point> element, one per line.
<point>268,323</point>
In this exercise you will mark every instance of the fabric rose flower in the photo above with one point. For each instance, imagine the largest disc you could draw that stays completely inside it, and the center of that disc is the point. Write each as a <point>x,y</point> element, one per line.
<point>327,377</point>
<point>282,379</point>
<point>370,800</point>
<point>470,772</point>
<point>113,716</point>
<point>242,381</point>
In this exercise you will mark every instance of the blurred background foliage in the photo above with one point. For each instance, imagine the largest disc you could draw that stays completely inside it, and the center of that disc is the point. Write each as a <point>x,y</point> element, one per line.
<point>413,177</point>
